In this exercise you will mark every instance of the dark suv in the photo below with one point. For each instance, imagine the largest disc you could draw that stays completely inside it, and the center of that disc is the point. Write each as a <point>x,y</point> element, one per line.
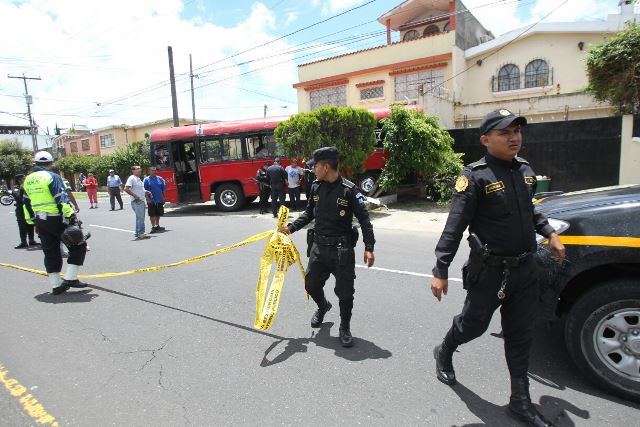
<point>597,289</point>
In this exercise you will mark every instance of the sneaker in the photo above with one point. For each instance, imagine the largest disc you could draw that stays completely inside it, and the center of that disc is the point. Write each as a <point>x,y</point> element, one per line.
<point>142,236</point>
<point>21,246</point>
<point>153,230</point>
<point>60,289</point>
<point>74,284</point>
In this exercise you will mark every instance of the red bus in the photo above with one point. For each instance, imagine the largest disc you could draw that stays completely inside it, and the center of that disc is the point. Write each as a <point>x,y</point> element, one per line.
<point>222,158</point>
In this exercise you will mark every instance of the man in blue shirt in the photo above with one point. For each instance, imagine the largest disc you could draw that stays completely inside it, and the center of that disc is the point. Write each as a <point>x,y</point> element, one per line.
<point>114,185</point>
<point>155,185</point>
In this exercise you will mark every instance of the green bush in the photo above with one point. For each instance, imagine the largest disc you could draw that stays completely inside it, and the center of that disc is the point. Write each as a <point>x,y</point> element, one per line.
<point>15,159</point>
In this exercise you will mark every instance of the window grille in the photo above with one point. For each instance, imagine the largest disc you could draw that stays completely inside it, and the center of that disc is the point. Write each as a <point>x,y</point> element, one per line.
<point>336,95</point>
<point>372,92</point>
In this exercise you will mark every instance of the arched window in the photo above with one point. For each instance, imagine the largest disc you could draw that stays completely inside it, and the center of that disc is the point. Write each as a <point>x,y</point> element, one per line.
<point>509,78</point>
<point>536,73</point>
<point>411,35</point>
<point>431,30</point>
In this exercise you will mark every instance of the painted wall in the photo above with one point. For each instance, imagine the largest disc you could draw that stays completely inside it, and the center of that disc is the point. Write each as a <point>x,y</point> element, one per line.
<point>559,50</point>
<point>629,153</point>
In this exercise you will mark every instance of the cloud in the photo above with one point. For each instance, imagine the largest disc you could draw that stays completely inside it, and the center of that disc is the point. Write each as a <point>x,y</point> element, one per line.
<point>333,6</point>
<point>291,16</point>
<point>100,66</point>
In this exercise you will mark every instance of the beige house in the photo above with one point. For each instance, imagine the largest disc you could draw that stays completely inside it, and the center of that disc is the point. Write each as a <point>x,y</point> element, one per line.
<point>448,62</point>
<point>111,137</point>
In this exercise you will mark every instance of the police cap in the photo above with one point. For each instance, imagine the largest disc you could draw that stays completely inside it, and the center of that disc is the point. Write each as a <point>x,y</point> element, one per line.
<point>500,119</point>
<point>326,154</point>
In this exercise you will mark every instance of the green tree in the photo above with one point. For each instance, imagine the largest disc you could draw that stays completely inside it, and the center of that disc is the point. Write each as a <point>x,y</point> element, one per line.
<point>350,130</point>
<point>613,69</point>
<point>15,159</point>
<point>415,143</point>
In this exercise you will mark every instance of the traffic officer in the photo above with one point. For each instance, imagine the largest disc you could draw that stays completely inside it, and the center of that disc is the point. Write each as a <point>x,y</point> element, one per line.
<point>46,204</point>
<point>493,197</point>
<point>332,202</point>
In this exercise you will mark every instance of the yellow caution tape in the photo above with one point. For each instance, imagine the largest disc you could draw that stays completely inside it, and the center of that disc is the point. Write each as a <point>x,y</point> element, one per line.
<point>279,249</point>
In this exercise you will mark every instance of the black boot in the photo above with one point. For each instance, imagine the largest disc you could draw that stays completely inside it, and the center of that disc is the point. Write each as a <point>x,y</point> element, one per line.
<point>74,284</point>
<point>521,407</point>
<point>346,340</point>
<point>318,316</point>
<point>60,289</point>
<point>444,364</point>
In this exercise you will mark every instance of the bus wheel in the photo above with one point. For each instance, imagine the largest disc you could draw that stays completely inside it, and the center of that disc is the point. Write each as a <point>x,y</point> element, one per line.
<point>229,197</point>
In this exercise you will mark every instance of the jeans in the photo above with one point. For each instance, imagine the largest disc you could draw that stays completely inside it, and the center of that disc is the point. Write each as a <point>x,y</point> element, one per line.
<point>138,208</point>
<point>294,197</point>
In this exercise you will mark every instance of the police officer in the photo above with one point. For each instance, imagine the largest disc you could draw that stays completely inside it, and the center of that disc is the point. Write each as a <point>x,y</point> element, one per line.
<point>263,185</point>
<point>25,229</point>
<point>277,178</point>
<point>46,204</point>
<point>493,197</point>
<point>332,202</point>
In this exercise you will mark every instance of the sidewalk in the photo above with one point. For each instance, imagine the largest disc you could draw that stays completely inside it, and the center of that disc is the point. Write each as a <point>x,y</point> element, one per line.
<point>411,215</point>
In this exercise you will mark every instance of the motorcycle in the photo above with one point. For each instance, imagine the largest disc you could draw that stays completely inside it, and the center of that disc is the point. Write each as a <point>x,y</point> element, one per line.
<point>6,198</point>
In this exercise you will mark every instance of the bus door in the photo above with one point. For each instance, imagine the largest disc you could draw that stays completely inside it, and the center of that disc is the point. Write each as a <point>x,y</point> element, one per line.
<point>185,164</point>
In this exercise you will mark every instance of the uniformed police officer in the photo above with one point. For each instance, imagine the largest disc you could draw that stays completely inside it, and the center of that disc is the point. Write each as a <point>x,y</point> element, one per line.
<point>493,197</point>
<point>46,204</point>
<point>332,202</point>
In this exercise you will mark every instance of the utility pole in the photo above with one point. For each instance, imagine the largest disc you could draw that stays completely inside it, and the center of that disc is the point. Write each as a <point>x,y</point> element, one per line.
<point>265,111</point>
<point>29,99</point>
<point>174,100</point>
<point>193,99</point>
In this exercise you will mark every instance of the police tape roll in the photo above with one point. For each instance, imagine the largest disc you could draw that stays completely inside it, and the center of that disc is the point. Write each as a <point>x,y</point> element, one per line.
<point>279,249</point>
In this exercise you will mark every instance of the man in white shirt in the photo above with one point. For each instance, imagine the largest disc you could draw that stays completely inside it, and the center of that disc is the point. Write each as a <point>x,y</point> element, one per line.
<point>294,175</point>
<point>114,185</point>
<point>135,188</point>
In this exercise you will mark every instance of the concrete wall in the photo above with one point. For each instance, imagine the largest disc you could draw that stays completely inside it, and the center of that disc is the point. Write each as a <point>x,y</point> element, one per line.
<point>629,153</point>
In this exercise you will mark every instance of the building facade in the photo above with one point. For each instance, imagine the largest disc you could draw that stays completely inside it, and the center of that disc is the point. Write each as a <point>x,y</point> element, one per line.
<point>448,62</point>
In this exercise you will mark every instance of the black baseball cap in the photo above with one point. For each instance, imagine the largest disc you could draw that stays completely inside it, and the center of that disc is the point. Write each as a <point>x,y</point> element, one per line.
<point>327,154</point>
<point>500,119</point>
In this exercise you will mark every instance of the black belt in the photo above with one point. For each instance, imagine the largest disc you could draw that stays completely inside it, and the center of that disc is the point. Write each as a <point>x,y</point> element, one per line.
<point>506,261</point>
<point>330,240</point>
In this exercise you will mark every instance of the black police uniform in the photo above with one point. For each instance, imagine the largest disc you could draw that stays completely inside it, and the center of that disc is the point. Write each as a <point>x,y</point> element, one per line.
<point>493,197</point>
<point>333,206</point>
<point>277,177</point>
<point>25,229</point>
<point>265,189</point>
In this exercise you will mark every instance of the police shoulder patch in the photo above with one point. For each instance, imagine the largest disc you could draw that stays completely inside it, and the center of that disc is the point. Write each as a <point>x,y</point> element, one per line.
<point>475,165</point>
<point>347,183</point>
<point>529,180</point>
<point>461,183</point>
<point>360,198</point>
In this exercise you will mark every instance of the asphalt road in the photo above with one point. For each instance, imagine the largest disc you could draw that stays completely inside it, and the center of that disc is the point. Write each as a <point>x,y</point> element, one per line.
<point>177,347</point>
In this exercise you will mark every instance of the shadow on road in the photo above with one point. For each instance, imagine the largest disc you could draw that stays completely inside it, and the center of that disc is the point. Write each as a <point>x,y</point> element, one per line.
<point>362,350</point>
<point>553,408</point>
<point>84,295</point>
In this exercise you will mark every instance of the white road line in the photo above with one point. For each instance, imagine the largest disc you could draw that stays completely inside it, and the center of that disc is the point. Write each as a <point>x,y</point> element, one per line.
<point>408,273</point>
<point>111,228</point>
<point>387,270</point>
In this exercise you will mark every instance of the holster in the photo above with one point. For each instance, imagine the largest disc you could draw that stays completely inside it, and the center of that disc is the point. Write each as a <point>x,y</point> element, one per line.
<point>310,234</point>
<point>471,270</point>
<point>354,236</point>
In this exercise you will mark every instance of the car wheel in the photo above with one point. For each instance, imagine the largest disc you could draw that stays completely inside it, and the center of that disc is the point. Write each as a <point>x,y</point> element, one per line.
<point>229,197</point>
<point>368,183</point>
<point>6,200</point>
<point>602,334</point>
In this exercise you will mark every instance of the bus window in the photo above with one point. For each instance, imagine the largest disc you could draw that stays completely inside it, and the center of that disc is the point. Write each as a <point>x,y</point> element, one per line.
<point>274,149</point>
<point>232,149</point>
<point>256,148</point>
<point>161,156</point>
<point>210,151</point>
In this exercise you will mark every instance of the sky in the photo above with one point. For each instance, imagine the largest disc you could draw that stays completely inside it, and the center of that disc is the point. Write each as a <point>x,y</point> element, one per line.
<point>105,63</point>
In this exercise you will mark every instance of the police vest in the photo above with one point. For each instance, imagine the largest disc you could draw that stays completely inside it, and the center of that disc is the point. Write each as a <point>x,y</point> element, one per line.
<point>36,186</point>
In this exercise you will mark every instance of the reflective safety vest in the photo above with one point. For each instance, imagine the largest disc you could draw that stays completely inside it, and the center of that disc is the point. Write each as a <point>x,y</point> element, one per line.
<point>37,187</point>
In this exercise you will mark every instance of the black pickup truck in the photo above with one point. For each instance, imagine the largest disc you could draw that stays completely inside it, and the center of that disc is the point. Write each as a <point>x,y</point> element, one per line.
<point>597,290</point>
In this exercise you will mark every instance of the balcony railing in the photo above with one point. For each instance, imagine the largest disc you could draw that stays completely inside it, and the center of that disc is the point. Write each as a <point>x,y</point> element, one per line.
<point>521,81</point>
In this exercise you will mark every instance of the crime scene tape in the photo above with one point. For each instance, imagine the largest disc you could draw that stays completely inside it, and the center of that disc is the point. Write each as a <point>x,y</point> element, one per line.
<point>279,250</point>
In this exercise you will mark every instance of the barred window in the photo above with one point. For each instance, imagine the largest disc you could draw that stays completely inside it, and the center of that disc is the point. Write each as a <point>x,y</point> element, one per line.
<point>509,78</point>
<point>411,35</point>
<point>232,149</point>
<point>107,141</point>
<point>536,73</point>
<point>74,146</point>
<point>406,85</point>
<point>85,144</point>
<point>336,95</point>
<point>371,92</point>
<point>431,30</point>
